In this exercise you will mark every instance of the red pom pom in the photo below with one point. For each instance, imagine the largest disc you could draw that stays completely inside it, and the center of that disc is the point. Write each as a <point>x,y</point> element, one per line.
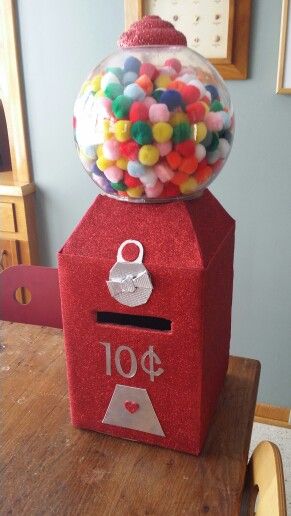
<point>150,70</point>
<point>190,93</point>
<point>202,164</point>
<point>129,149</point>
<point>171,190</point>
<point>206,100</point>
<point>196,112</point>
<point>186,148</point>
<point>129,181</point>
<point>203,174</point>
<point>174,63</point>
<point>138,111</point>
<point>174,159</point>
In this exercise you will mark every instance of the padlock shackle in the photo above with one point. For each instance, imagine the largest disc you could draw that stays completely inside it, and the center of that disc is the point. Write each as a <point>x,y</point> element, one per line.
<point>139,259</point>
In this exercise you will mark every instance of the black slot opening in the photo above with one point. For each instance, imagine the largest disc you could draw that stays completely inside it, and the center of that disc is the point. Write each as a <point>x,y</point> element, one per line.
<point>136,321</point>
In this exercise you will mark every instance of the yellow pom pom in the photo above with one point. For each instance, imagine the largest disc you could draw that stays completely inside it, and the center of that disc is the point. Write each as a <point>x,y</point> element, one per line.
<point>106,129</point>
<point>103,163</point>
<point>189,186</point>
<point>86,85</point>
<point>95,82</point>
<point>99,150</point>
<point>178,118</point>
<point>162,132</point>
<point>122,130</point>
<point>162,81</point>
<point>99,93</point>
<point>148,155</point>
<point>200,132</point>
<point>122,163</point>
<point>137,191</point>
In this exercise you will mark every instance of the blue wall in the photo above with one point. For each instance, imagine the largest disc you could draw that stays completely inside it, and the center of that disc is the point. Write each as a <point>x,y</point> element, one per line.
<point>61,42</point>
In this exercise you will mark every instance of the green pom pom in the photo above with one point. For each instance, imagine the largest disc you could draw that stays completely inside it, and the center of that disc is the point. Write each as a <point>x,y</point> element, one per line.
<point>117,71</point>
<point>216,106</point>
<point>120,186</point>
<point>214,143</point>
<point>113,90</point>
<point>141,132</point>
<point>181,132</point>
<point>121,106</point>
<point>158,93</point>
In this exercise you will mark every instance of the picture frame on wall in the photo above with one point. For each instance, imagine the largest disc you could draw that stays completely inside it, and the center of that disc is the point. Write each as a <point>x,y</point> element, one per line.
<point>284,62</point>
<point>217,29</point>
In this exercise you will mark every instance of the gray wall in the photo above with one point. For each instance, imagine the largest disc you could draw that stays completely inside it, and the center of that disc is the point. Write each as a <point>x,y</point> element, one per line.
<point>61,41</point>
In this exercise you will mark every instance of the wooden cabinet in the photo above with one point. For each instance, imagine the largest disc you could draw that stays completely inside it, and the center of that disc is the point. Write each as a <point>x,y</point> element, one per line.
<point>18,242</point>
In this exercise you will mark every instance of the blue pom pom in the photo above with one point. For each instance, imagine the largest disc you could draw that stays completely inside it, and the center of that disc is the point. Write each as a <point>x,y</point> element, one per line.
<point>129,77</point>
<point>132,64</point>
<point>135,168</point>
<point>171,98</point>
<point>213,92</point>
<point>134,91</point>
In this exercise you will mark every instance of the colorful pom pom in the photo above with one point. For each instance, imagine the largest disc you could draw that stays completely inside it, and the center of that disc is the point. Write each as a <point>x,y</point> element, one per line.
<point>189,186</point>
<point>145,83</point>
<point>164,148</point>
<point>113,90</point>
<point>114,174</point>
<point>138,111</point>
<point>149,69</point>
<point>171,98</point>
<point>181,132</point>
<point>121,106</point>
<point>162,132</point>
<point>162,81</point>
<point>159,113</point>
<point>200,132</point>
<point>163,172</point>
<point>148,155</point>
<point>135,168</point>
<point>200,152</point>
<point>134,91</point>
<point>188,165</point>
<point>132,64</point>
<point>141,132</point>
<point>174,159</point>
<point>122,130</point>
<point>111,149</point>
<point>214,121</point>
<point>129,149</point>
<point>129,78</point>
<point>174,63</point>
<point>154,191</point>
<point>186,148</point>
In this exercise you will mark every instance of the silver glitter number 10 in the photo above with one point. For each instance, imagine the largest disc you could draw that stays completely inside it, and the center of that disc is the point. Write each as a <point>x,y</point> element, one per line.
<point>148,362</point>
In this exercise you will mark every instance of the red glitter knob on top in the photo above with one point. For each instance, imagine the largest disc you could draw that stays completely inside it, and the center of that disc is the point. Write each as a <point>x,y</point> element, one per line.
<point>151,30</point>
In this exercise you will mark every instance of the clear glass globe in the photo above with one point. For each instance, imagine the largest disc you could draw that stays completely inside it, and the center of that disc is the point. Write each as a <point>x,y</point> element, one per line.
<point>153,124</point>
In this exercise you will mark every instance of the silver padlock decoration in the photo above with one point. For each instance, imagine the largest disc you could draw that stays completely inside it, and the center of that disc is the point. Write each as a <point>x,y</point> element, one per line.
<point>129,282</point>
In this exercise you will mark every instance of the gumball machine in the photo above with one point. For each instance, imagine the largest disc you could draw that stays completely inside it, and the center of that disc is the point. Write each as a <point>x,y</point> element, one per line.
<point>146,284</point>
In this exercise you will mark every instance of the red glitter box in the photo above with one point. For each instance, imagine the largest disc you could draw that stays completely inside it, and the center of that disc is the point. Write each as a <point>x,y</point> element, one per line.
<point>152,373</point>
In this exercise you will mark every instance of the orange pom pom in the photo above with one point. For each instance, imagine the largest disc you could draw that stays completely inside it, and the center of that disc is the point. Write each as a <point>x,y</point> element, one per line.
<point>145,83</point>
<point>188,165</point>
<point>174,159</point>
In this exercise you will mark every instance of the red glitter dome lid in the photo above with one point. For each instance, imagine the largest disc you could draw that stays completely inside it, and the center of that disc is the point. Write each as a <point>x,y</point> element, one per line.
<point>151,30</point>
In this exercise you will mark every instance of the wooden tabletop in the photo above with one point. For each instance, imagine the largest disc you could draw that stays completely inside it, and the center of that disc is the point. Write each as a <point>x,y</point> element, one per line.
<point>49,467</point>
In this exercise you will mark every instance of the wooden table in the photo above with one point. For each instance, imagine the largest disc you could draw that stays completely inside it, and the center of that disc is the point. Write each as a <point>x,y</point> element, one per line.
<point>48,467</point>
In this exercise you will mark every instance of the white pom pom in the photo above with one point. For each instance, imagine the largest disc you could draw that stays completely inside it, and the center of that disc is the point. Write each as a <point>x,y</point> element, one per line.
<point>149,178</point>
<point>200,152</point>
<point>108,78</point>
<point>223,148</point>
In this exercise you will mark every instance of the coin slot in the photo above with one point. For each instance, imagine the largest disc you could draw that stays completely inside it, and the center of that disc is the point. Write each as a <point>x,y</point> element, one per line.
<point>135,321</point>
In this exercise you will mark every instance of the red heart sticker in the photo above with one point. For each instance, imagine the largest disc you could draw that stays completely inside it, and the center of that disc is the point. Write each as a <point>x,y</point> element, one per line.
<point>131,406</point>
